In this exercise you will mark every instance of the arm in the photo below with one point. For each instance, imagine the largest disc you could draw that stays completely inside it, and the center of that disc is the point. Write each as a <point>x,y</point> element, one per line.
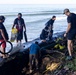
<point>13,26</point>
<point>15,22</point>
<point>3,35</point>
<point>25,27</point>
<point>68,28</point>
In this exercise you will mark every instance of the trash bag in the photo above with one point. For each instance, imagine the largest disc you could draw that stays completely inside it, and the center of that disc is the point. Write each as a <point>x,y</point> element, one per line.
<point>13,34</point>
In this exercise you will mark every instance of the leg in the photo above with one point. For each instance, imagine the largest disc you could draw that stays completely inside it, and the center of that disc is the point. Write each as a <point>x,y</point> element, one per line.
<point>36,61</point>
<point>19,37</point>
<point>3,47</point>
<point>3,50</point>
<point>70,47</point>
<point>50,34</point>
<point>30,61</point>
<point>70,36</point>
<point>19,41</point>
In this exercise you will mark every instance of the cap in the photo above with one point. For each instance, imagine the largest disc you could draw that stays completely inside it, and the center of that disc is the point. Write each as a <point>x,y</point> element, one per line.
<point>65,11</point>
<point>20,14</point>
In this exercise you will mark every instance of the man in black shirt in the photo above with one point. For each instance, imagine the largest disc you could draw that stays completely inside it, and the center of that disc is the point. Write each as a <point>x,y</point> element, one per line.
<point>3,36</point>
<point>71,30</point>
<point>49,24</point>
<point>19,24</point>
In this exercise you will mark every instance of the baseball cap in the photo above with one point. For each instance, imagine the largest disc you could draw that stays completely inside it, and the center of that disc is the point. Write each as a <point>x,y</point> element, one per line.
<point>65,11</point>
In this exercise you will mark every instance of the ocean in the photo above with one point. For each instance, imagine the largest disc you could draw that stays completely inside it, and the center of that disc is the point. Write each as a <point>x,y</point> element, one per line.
<point>35,17</point>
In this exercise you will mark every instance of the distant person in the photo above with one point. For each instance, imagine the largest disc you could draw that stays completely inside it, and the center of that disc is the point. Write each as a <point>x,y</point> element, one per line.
<point>33,55</point>
<point>44,34</point>
<point>71,31</point>
<point>19,24</point>
<point>50,25</point>
<point>3,36</point>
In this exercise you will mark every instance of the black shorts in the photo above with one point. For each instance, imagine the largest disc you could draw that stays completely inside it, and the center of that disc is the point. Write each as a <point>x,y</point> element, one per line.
<point>20,35</point>
<point>71,35</point>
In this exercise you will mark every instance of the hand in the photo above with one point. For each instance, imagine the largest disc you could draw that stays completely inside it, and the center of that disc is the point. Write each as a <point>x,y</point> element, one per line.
<point>12,27</point>
<point>65,35</point>
<point>43,40</point>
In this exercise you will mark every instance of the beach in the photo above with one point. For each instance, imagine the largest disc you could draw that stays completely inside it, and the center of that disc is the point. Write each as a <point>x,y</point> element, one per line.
<point>35,17</point>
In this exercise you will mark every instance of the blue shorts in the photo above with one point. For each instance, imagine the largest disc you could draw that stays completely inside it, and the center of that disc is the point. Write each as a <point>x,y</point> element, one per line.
<point>71,35</point>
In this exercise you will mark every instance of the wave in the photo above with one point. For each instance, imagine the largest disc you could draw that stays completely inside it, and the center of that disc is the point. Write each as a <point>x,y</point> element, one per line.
<point>46,19</point>
<point>32,14</point>
<point>36,13</point>
<point>37,21</point>
<point>52,10</point>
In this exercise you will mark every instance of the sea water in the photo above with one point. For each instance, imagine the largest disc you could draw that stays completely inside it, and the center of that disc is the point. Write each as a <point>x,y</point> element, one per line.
<point>35,17</point>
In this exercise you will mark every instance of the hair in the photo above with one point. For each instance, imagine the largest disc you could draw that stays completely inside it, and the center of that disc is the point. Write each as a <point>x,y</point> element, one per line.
<point>53,17</point>
<point>20,14</point>
<point>2,18</point>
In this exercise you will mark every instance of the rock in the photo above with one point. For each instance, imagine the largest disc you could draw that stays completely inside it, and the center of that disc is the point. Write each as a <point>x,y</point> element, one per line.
<point>74,73</point>
<point>66,68</point>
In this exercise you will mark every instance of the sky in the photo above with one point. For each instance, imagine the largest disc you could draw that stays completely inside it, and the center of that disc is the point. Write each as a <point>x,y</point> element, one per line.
<point>37,1</point>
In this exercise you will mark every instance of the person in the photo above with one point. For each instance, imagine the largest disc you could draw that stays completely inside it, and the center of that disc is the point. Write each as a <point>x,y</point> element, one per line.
<point>33,54</point>
<point>49,24</point>
<point>19,24</point>
<point>71,31</point>
<point>3,36</point>
<point>44,34</point>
